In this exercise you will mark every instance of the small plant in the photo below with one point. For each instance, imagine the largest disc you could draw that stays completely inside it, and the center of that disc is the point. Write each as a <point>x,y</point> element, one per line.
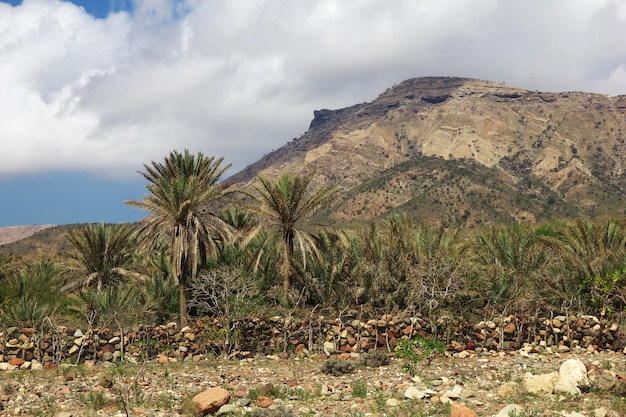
<point>253,393</point>
<point>95,399</point>
<point>164,402</point>
<point>359,389</point>
<point>375,359</point>
<point>280,411</point>
<point>418,350</point>
<point>338,367</point>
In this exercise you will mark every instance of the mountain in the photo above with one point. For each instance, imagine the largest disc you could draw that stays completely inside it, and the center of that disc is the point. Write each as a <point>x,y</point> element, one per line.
<point>464,151</point>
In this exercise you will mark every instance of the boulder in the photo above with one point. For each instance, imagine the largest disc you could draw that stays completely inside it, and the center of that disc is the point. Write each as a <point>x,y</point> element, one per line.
<point>210,401</point>
<point>540,384</point>
<point>572,376</point>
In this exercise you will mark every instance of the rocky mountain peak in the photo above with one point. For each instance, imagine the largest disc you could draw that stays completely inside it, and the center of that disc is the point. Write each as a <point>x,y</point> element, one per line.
<point>464,150</point>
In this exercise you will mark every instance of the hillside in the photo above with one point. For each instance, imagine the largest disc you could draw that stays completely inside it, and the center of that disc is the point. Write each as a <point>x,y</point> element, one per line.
<point>15,233</point>
<point>458,150</point>
<point>40,240</point>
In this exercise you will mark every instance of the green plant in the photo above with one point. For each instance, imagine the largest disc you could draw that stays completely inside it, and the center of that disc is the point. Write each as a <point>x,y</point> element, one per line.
<point>253,393</point>
<point>95,400</point>
<point>415,351</point>
<point>338,367</point>
<point>359,389</point>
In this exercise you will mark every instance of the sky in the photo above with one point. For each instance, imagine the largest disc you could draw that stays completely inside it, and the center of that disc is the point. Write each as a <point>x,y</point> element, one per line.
<point>91,90</point>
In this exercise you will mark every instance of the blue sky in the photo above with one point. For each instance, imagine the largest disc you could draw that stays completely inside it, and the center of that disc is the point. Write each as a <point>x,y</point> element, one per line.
<point>92,90</point>
<point>97,8</point>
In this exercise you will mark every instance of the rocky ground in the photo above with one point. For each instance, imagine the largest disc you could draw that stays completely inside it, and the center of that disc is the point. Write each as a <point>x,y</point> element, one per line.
<point>486,383</point>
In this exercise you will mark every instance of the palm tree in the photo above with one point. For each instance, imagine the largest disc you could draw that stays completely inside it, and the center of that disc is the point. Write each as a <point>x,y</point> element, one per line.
<point>511,258</point>
<point>282,210</point>
<point>180,191</point>
<point>104,256</point>
<point>592,259</point>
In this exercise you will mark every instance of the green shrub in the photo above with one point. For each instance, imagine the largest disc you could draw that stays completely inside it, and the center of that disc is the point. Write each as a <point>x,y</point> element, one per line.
<point>338,367</point>
<point>375,359</point>
<point>415,351</point>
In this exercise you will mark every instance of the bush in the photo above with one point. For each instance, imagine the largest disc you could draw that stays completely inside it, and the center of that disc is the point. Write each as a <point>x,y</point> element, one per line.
<point>375,359</point>
<point>338,367</point>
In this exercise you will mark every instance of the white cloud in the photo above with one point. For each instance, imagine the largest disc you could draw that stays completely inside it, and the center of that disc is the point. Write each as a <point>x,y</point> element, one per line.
<point>237,79</point>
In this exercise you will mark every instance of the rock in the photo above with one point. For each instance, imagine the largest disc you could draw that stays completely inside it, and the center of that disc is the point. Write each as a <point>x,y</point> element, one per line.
<point>509,411</point>
<point>329,347</point>
<point>600,412</point>
<point>392,402</point>
<point>605,381</point>
<point>509,389</point>
<point>453,395</point>
<point>16,362</point>
<point>226,408</point>
<point>509,328</point>
<point>459,410</point>
<point>211,400</point>
<point>240,391</point>
<point>540,384</point>
<point>414,393</point>
<point>4,366</point>
<point>264,402</point>
<point>12,332</point>
<point>572,376</point>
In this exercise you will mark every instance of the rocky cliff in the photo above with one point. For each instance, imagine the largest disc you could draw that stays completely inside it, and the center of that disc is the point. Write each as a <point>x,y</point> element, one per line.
<point>465,151</point>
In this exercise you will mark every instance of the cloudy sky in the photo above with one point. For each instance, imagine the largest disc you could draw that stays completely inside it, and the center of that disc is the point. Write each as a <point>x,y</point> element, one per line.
<point>90,90</point>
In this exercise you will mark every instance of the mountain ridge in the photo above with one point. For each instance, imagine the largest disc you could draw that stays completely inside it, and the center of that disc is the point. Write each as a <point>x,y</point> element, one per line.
<point>561,152</point>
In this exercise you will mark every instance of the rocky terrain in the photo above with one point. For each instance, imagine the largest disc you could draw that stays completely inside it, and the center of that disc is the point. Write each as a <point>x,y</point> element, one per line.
<point>465,151</point>
<point>390,366</point>
<point>517,383</point>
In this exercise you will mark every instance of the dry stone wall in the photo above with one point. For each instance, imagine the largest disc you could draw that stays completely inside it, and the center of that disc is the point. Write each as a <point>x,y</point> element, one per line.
<point>26,347</point>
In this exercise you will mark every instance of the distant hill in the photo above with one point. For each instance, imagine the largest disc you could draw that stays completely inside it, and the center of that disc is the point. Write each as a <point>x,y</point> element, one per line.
<point>465,151</point>
<point>15,233</point>
<point>40,240</point>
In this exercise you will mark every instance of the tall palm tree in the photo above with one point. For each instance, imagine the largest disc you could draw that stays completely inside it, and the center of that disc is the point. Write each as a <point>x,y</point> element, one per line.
<point>282,211</point>
<point>181,189</point>
<point>104,255</point>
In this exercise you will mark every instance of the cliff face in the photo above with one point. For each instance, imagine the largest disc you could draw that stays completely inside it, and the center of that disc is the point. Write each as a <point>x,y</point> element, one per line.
<point>459,150</point>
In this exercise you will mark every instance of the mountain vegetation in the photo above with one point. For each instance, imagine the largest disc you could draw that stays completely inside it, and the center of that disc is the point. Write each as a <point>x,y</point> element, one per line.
<point>442,196</point>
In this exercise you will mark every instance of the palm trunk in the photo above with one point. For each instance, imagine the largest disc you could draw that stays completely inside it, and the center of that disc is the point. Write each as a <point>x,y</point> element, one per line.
<point>286,281</point>
<point>184,318</point>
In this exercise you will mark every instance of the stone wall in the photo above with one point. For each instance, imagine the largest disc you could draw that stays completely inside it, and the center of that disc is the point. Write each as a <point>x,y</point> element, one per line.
<point>269,335</point>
